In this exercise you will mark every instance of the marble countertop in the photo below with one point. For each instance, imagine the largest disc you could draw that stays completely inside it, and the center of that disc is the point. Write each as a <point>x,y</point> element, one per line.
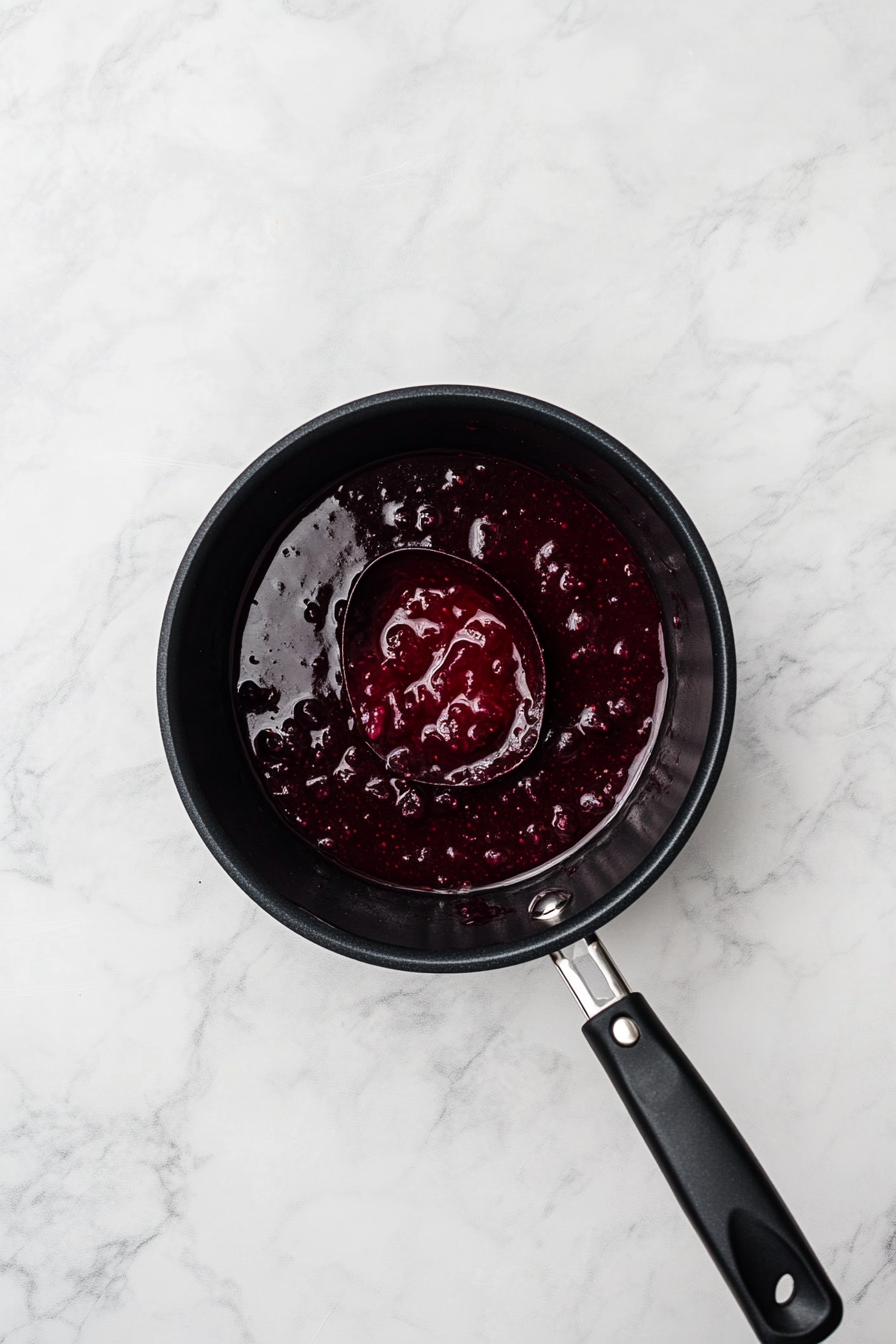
<point>220,219</point>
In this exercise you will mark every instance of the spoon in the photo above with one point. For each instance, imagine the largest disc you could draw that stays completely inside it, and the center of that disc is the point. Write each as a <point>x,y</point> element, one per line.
<point>442,668</point>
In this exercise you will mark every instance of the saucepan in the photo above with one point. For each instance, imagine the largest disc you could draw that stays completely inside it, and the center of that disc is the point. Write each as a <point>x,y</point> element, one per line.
<point>555,911</point>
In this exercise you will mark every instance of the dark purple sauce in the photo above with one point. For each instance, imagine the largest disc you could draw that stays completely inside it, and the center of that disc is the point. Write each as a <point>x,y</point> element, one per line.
<point>442,669</point>
<point>593,610</point>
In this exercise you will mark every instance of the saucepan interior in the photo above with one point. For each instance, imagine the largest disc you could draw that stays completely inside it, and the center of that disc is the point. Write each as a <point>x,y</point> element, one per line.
<point>421,930</point>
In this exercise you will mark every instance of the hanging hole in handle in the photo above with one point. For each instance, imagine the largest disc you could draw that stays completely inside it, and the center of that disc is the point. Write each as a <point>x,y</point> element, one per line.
<point>785,1289</point>
<point>786,1292</point>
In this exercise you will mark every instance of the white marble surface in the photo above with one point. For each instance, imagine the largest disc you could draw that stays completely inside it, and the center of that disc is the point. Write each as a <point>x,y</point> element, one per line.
<point>219,219</point>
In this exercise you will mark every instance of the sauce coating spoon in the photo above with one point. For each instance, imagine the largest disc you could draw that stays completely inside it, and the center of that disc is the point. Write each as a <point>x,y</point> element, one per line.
<point>442,668</point>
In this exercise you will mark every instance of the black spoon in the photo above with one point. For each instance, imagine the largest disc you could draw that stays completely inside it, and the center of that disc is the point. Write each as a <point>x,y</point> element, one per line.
<point>442,668</point>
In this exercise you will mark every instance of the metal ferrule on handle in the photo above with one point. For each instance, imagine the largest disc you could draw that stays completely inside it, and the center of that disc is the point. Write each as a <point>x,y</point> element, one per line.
<point>568,963</point>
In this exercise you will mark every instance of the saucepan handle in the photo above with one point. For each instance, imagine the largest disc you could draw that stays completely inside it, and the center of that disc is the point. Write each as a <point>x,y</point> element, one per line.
<point>762,1254</point>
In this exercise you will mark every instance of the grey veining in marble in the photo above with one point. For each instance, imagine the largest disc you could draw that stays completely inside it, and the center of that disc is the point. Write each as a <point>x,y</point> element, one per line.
<point>219,219</point>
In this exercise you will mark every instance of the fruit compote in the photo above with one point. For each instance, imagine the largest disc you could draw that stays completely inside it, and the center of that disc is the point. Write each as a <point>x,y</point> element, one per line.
<point>595,616</point>
<point>442,668</point>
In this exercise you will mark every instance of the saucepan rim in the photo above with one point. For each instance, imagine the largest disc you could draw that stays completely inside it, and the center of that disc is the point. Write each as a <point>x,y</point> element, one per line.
<point>657,494</point>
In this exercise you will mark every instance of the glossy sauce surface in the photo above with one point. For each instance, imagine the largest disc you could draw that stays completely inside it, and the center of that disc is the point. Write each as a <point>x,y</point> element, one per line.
<point>595,615</point>
<point>442,669</point>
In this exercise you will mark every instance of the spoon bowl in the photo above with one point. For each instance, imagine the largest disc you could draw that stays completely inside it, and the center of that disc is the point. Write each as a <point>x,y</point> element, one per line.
<point>442,668</point>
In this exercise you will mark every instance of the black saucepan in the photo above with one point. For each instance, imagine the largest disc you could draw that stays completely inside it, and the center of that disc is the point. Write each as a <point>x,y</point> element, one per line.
<point>754,1241</point>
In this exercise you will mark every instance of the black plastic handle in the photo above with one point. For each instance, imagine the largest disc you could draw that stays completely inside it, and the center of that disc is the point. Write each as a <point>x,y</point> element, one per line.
<point>733,1205</point>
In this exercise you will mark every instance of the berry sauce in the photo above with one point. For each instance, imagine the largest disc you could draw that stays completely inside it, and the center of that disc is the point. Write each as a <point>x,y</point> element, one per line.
<point>442,669</point>
<point>595,616</point>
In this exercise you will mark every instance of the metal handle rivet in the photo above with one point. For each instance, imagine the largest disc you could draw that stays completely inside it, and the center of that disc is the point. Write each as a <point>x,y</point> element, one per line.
<point>549,905</point>
<point>625,1031</point>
